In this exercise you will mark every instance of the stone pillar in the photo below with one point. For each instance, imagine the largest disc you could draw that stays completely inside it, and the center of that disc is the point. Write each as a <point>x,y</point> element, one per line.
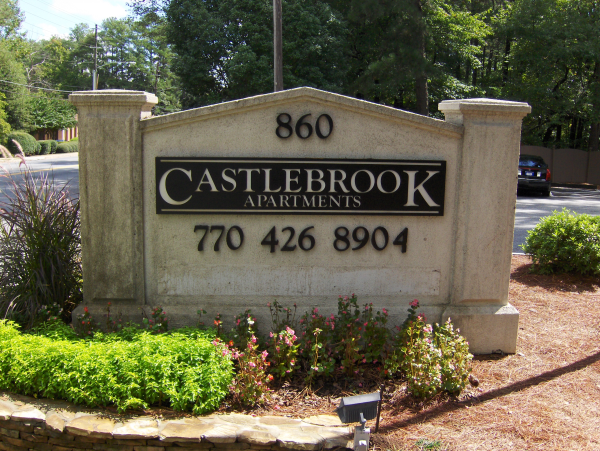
<point>110,185</point>
<point>486,188</point>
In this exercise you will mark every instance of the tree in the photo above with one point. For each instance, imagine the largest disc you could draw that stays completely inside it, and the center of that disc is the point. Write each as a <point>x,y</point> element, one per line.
<point>4,125</point>
<point>399,47</point>
<point>224,49</point>
<point>10,19</point>
<point>554,65</point>
<point>12,48</point>
<point>50,113</point>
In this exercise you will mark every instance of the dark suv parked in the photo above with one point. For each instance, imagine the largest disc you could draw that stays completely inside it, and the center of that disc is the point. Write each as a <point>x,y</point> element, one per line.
<point>534,174</point>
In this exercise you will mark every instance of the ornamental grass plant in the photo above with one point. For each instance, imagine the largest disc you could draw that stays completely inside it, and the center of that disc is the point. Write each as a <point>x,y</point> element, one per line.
<point>40,245</point>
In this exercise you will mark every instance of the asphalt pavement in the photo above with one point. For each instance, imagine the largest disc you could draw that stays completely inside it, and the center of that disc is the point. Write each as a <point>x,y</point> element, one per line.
<point>530,207</point>
<point>64,168</point>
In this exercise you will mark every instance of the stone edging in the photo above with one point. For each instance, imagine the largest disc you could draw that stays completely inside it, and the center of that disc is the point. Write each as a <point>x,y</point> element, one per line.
<point>47,425</point>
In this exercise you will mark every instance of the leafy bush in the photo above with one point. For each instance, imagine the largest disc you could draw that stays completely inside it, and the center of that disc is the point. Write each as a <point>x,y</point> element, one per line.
<point>28,143</point>
<point>67,147</point>
<point>565,242</point>
<point>158,323</point>
<point>249,387</point>
<point>76,139</point>
<point>351,338</point>
<point>40,247</point>
<point>48,146</point>
<point>432,358</point>
<point>185,372</point>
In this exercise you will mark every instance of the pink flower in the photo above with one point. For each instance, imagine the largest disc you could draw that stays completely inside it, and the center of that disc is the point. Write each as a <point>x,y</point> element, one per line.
<point>414,303</point>
<point>271,334</point>
<point>253,339</point>
<point>316,310</point>
<point>252,365</point>
<point>364,360</point>
<point>264,354</point>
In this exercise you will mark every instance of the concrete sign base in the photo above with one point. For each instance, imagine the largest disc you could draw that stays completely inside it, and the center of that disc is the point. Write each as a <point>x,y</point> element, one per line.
<point>300,196</point>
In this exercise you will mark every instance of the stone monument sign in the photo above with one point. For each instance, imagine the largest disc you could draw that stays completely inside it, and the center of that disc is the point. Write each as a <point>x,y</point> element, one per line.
<point>300,196</point>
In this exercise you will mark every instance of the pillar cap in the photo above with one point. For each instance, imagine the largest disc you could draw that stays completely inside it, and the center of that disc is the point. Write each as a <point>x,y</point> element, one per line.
<point>114,97</point>
<point>485,105</point>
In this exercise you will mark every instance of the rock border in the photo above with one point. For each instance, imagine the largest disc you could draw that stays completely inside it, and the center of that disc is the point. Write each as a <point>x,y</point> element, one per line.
<point>48,425</point>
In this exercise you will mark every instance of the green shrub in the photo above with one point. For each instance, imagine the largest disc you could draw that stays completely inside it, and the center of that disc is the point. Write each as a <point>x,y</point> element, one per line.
<point>431,358</point>
<point>76,139</point>
<point>28,143</point>
<point>67,147</point>
<point>184,372</point>
<point>565,242</point>
<point>40,248</point>
<point>48,146</point>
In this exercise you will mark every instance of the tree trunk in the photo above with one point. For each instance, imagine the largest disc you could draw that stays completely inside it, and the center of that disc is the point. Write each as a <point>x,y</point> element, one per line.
<point>580,127</point>
<point>548,135</point>
<point>594,137</point>
<point>573,131</point>
<point>595,94</point>
<point>422,95</point>
<point>505,62</point>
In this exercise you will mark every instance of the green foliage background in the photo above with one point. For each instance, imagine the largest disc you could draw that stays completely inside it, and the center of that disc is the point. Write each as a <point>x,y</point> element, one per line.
<point>409,54</point>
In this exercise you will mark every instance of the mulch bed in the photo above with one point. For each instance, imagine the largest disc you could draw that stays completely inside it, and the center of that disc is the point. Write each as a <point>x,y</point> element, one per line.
<point>545,397</point>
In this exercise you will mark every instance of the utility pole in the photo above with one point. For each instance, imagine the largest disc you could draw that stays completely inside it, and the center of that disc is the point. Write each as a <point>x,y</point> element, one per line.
<point>95,72</point>
<point>277,47</point>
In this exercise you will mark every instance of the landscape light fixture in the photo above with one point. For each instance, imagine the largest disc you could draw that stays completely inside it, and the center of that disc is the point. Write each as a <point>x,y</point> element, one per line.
<point>361,408</point>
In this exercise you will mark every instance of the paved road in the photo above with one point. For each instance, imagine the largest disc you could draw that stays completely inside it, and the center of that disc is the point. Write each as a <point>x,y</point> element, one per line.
<point>530,208</point>
<point>63,167</point>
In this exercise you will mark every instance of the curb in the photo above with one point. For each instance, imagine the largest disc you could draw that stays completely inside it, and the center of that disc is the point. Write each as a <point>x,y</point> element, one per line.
<point>575,185</point>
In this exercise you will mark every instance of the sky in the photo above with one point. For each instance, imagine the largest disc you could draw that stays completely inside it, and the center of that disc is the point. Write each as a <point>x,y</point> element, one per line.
<point>46,18</point>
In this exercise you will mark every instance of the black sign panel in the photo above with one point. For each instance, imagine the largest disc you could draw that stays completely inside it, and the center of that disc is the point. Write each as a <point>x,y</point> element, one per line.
<point>299,186</point>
